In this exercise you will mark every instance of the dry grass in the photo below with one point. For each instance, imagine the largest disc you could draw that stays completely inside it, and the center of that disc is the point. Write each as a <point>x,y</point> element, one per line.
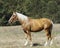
<point>13,37</point>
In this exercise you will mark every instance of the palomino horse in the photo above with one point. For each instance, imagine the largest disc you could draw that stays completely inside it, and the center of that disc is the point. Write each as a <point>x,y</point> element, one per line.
<point>33,25</point>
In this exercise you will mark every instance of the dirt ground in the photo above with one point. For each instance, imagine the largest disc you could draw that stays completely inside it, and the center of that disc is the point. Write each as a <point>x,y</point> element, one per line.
<point>13,37</point>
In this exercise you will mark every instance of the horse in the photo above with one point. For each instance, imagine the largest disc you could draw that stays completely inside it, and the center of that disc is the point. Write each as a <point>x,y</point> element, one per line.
<point>33,25</point>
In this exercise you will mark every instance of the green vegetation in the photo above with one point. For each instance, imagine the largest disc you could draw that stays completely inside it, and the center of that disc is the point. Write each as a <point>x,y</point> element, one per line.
<point>32,8</point>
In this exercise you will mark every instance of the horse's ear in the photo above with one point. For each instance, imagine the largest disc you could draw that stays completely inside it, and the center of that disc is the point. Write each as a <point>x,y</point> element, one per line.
<point>14,12</point>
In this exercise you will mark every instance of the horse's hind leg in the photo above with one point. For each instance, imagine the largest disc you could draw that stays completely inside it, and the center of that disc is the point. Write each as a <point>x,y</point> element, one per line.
<point>49,38</point>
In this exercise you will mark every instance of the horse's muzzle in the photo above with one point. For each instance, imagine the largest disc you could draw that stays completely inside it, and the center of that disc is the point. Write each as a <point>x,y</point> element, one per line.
<point>9,22</point>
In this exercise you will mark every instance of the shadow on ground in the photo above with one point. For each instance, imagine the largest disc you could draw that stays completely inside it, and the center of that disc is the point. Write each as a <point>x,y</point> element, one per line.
<point>37,44</point>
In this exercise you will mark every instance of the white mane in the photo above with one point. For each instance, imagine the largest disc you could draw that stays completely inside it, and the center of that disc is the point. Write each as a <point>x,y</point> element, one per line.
<point>22,17</point>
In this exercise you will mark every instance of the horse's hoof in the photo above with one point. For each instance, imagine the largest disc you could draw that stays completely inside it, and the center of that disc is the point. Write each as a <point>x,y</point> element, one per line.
<point>45,44</point>
<point>25,44</point>
<point>31,45</point>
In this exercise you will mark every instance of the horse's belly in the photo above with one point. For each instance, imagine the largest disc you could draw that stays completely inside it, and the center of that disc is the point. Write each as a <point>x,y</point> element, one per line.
<point>36,29</point>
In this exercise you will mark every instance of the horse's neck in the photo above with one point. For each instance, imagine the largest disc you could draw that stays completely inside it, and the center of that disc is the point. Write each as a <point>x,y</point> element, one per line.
<point>22,18</point>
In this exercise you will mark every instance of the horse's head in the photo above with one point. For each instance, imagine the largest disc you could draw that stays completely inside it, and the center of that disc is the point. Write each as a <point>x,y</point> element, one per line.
<point>13,18</point>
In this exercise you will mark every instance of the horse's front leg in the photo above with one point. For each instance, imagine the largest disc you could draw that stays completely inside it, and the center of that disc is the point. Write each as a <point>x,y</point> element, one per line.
<point>28,38</point>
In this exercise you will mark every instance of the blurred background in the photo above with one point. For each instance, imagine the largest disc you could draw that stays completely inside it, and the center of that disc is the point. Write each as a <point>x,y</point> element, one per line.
<point>31,8</point>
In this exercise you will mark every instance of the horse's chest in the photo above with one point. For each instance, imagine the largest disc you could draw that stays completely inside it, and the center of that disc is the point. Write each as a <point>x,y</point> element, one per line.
<point>26,26</point>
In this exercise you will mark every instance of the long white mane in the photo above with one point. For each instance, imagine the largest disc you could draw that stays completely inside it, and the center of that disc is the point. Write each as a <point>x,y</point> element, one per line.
<point>22,17</point>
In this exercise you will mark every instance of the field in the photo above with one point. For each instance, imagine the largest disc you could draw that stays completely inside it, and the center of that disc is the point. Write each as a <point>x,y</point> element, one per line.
<point>13,37</point>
